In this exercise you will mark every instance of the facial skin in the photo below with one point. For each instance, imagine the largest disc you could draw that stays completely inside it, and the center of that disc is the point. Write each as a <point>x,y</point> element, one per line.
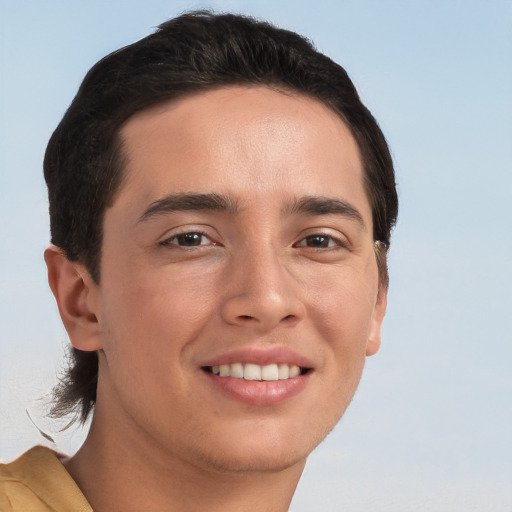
<point>281,274</point>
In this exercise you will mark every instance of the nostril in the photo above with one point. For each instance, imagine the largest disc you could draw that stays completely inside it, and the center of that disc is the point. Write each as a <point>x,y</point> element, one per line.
<point>245,317</point>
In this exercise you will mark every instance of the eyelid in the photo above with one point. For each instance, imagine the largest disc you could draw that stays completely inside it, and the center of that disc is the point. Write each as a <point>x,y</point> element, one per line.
<point>339,238</point>
<point>165,240</point>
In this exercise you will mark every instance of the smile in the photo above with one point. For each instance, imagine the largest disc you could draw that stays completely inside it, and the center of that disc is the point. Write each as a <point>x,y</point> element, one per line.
<point>255,372</point>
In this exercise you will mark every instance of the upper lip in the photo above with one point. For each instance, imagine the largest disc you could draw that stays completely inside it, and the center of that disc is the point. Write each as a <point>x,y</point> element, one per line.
<point>261,356</point>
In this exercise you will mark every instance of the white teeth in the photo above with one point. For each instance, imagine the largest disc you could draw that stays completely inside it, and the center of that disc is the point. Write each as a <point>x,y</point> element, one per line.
<point>237,370</point>
<point>294,371</point>
<point>250,371</point>
<point>270,372</point>
<point>284,371</point>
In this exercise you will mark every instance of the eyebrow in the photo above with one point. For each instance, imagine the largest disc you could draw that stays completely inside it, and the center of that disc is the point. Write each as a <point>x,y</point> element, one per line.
<point>309,205</point>
<point>314,205</point>
<point>183,202</point>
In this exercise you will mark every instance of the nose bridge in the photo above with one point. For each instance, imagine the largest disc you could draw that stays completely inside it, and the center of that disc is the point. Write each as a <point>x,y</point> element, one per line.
<point>265,273</point>
<point>262,291</point>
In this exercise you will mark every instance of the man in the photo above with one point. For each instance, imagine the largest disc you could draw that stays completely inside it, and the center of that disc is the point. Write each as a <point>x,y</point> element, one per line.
<point>221,205</point>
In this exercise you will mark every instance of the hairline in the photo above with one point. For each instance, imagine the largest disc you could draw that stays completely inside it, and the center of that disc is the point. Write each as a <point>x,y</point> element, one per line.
<point>120,157</point>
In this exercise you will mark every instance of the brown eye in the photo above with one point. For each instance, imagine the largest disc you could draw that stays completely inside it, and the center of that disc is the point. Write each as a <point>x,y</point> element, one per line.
<point>191,239</point>
<point>318,242</point>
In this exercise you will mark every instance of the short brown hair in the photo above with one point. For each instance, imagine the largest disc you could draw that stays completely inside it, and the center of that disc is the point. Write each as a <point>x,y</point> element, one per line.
<point>194,52</point>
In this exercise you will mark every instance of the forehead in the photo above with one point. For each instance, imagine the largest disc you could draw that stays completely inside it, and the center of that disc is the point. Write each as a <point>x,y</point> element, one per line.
<point>241,140</point>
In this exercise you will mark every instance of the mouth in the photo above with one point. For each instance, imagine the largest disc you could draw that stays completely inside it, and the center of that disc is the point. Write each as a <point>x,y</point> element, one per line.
<point>259,377</point>
<point>255,372</point>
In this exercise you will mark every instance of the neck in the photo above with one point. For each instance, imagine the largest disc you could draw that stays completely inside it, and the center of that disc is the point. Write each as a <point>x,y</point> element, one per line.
<point>119,472</point>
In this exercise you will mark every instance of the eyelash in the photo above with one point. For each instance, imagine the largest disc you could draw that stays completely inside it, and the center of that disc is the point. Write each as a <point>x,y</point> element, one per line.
<point>332,242</point>
<point>169,241</point>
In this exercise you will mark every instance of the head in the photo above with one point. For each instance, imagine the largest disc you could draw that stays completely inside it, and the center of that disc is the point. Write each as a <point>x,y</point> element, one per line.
<point>86,159</point>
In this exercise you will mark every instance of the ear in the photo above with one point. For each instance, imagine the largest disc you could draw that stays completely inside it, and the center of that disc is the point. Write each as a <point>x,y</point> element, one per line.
<point>74,292</point>
<point>374,337</point>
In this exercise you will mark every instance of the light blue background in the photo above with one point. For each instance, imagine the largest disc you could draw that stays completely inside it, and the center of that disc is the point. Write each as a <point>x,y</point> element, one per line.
<point>430,428</point>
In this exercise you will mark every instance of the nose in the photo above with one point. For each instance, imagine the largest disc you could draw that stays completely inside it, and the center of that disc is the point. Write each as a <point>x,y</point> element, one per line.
<point>261,293</point>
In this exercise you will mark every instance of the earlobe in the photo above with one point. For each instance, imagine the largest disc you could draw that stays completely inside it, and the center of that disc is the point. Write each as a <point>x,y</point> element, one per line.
<point>374,338</point>
<point>73,288</point>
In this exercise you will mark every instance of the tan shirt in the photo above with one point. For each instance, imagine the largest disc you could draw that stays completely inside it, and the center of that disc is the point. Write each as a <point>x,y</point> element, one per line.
<point>38,482</point>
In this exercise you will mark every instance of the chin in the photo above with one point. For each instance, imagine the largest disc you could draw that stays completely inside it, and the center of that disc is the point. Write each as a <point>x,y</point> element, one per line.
<point>254,463</point>
<point>265,451</point>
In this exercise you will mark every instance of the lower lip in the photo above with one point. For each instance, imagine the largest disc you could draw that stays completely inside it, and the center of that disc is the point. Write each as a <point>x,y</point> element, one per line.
<point>258,392</point>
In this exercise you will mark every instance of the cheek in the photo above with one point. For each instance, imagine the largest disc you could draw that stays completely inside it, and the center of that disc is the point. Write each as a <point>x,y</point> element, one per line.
<point>155,314</point>
<point>343,321</point>
<point>149,327</point>
<point>341,318</point>
<point>342,303</point>
<point>342,315</point>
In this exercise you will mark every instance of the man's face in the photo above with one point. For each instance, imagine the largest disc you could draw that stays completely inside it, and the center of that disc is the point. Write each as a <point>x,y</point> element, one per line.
<point>241,240</point>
